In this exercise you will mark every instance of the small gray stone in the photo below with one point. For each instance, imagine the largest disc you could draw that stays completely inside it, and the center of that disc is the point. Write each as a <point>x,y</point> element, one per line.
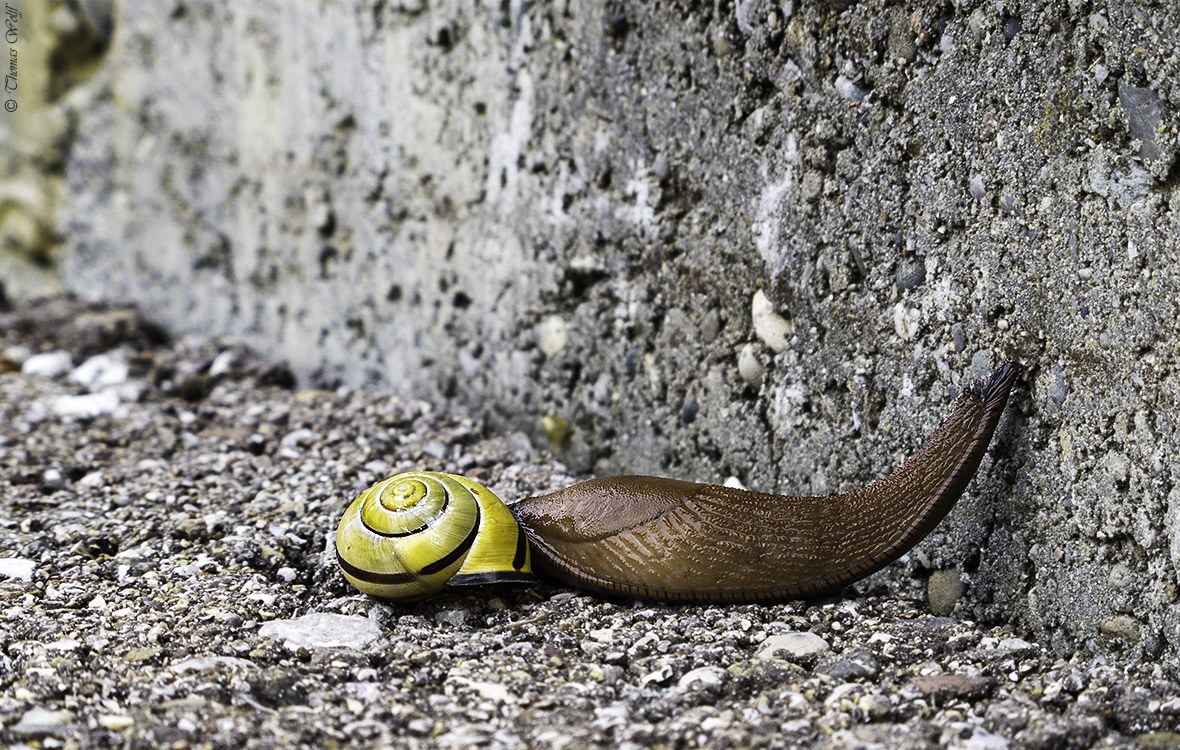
<point>958,337</point>
<point>710,326</point>
<point>1143,110</point>
<point>981,364</point>
<point>300,438</point>
<point>857,665</point>
<point>944,589</point>
<point>976,187</point>
<point>454,618</point>
<point>911,272</point>
<point>945,687</point>
<point>323,630</point>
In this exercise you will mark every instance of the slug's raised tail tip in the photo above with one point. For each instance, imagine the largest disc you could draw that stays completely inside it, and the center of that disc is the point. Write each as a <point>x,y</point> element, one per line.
<point>995,387</point>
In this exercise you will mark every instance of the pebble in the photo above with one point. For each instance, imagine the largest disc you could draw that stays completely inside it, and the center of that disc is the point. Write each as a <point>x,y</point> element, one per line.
<point>944,687</point>
<point>115,722</point>
<point>944,589</point>
<point>556,429</point>
<point>976,187</point>
<point>48,365</point>
<point>38,721</point>
<point>300,438</point>
<point>848,90</point>
<point>703,676</point>
<point>750,365</point>
<point>205,663</point>
<point>100,370</point>
<point>905,321</point>
<point>88,405</point>
<point>222,363</point>
<point>910,273</point>
<point>552,335</point>
<point>769,326</point>
<point>17,568</point>
<point>323,630</point>
<point>793,647</point>
<point>91,480</point>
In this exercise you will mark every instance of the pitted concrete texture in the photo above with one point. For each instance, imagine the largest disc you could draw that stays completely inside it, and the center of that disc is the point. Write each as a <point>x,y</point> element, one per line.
<point>569,209</point>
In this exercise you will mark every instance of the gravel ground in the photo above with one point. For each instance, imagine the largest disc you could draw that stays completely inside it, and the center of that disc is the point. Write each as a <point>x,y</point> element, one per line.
<point>166,580</point>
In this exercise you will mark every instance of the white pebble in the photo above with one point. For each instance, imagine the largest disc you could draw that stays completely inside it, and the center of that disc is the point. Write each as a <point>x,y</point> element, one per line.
<point>905,321</point>
<point>222,363</point>
<point>297,438</point>
<point>323,630</point>
<point>750,365</point>
<point>63,644</point>
<point>93,479</point>
<point>88,405</point>
<point>706,676</point>
<point>48,365</point>
<point>769,326</point>
<point>42,721</point>
<point>205,663</point>
<point>792,646</point>
<point>287,574</point>
<point>115,722</point>
<point>53,478</point>
<point>100,370</point>
<point>848,90</point>
<point>552,335</point>
<point>17,568</point>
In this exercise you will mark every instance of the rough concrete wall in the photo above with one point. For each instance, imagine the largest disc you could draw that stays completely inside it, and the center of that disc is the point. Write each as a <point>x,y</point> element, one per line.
<point>567,209</point>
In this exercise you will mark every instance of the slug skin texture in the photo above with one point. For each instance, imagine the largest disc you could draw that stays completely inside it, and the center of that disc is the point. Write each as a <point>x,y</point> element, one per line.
<point>681,541</point>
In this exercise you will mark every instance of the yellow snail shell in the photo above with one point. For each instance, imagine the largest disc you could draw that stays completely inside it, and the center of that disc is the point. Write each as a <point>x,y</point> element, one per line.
<point>409,536</point>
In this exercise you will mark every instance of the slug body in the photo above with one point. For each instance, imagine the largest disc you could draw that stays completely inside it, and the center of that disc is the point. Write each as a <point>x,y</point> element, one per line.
<point>680,541</point>
<point>409,536</point>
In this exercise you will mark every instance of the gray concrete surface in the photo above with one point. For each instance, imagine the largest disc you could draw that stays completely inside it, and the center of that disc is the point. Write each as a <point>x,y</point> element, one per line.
<point>567,210</point>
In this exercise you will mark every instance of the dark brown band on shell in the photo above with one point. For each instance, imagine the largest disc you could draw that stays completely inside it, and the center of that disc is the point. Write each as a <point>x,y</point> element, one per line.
<point>680,541</point>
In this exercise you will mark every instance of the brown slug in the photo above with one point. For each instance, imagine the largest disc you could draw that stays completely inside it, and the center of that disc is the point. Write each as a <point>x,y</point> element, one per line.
<point>680,541</point>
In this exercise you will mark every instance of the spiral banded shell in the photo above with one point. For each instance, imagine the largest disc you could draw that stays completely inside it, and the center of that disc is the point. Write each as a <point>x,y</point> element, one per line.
<point>411,535</point>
